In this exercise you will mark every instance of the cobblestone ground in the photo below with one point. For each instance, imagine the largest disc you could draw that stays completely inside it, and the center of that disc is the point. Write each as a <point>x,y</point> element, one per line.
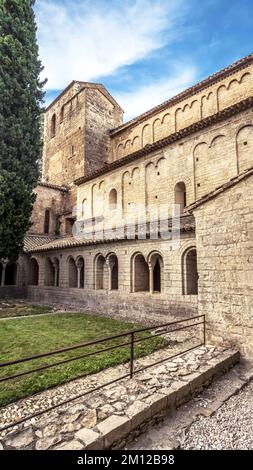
<point>219,418</point>
<point>60,425</point>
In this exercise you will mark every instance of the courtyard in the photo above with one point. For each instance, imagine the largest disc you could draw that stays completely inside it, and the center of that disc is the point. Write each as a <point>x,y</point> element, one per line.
<point>42,331</point>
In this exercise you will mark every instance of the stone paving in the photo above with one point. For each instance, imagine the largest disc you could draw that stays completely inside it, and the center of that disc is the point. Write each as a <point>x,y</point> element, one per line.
<point>65,427</point>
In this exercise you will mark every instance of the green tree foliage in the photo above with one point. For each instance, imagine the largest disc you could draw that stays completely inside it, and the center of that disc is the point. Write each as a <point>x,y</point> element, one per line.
<point>21,97</point>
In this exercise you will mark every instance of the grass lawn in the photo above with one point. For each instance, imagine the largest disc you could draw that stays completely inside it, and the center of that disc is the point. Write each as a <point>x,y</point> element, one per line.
<point>24,337</point>
<point>19,309</point>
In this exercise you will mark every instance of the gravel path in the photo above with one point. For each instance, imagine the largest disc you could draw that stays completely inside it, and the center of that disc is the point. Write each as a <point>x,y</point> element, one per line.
<point>231,427</point>
<point>221,417</point>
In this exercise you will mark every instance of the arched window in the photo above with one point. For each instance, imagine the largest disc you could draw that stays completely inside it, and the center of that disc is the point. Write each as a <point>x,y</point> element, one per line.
<point>180,195</point>
<point>53,126</point>
<point>84,201</point>
<point>190,272</point>
<point>47,221</point>
<point>62,113</point>
<point>113,199</point>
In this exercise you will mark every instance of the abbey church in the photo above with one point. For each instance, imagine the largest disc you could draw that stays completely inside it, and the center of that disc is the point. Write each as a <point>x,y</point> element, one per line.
<point>151,218</point>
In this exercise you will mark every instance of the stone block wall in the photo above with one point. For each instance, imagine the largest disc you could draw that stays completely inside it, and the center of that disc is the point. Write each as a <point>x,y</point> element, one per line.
<point>202,161</point>
<point>126,300</point>
<point>227,89</point>
<point>224,238</point>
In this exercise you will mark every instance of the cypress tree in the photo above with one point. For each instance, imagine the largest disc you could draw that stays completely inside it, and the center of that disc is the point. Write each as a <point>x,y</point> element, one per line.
<point>21,97</point>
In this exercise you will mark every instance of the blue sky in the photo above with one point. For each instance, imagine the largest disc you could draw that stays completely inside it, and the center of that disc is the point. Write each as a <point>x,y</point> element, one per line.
<point>143,51</point>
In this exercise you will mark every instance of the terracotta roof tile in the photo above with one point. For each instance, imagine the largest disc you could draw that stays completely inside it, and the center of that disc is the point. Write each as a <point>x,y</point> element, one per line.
<point>187,224</point>
<point>32,242</point>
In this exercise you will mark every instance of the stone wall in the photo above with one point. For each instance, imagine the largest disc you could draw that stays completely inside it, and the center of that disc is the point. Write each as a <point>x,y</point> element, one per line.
<point>224,238</point>
<point>125,300</point>
<point>13,292</point>
<point>202,161</point>
<point>140,307</point>
<point>54,200</point>
<point>230,88</point>
<point>76,132</point>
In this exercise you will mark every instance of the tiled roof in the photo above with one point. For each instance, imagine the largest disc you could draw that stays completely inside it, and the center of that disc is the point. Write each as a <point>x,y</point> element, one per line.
<point>220,189</point>
<point>149,148</point>
<point>32,242</point>
<point>53,186</point>
<point>216,77</point>
<point>187,225</point>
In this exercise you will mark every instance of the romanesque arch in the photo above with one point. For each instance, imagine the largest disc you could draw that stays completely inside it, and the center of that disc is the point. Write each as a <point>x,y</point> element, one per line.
<point>53,126</point>
<point>80,272</point>
<point>180,195</point>
<point>10,274</point>
<point>113,272</point>
<point>113,199</point>
<point>72,271</point>
<point>155,262</point>
<point>140,273</point>
<point>190,272</point>
<point>244,147</point>
<point>52,272</point>
<point>100,272</point>
<point>33,272</point>
<point>47,221</point>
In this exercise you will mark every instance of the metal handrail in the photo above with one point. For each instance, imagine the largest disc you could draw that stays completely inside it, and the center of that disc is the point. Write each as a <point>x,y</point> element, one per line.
<point>131,343</point>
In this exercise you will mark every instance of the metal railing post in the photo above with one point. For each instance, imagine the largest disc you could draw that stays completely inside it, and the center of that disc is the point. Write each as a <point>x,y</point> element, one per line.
<point>132,356</point>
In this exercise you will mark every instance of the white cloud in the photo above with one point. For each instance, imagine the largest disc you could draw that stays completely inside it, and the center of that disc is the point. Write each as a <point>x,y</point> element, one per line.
<point>85,39</point>
<point>152,94</point>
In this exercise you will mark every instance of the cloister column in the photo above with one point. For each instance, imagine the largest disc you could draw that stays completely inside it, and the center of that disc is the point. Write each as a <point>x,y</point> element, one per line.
<point>56,273</point>
<point>151,278</point>
<point>78,276</point>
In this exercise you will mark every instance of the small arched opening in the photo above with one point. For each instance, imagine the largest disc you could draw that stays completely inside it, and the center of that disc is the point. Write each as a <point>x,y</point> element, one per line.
<point>52,272</point>
<point>113,265</point>
<point>34,272</point>
<point>80,272</point>
<point>72,273</point>
<point>1,273</point>
<point>11,274</point>
<point>190,272</point>
<point>53,126</point>
<point>100,269</point>
<point>156,266</point>
<point>141,274</point>
<point>113,199</point>
<point>47,221</point>
<point>180,195</point>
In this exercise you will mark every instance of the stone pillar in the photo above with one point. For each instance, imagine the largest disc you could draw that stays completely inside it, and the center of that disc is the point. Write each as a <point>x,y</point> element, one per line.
<point>56,273</point>
<point>78,276</point>
<point>151,278</point>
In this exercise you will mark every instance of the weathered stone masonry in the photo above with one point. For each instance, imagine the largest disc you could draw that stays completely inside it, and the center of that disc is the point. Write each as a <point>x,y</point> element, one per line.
<point>95,167</point>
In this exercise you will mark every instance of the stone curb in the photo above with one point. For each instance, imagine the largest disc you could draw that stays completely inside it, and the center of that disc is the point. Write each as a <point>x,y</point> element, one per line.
<point>116,430</point>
